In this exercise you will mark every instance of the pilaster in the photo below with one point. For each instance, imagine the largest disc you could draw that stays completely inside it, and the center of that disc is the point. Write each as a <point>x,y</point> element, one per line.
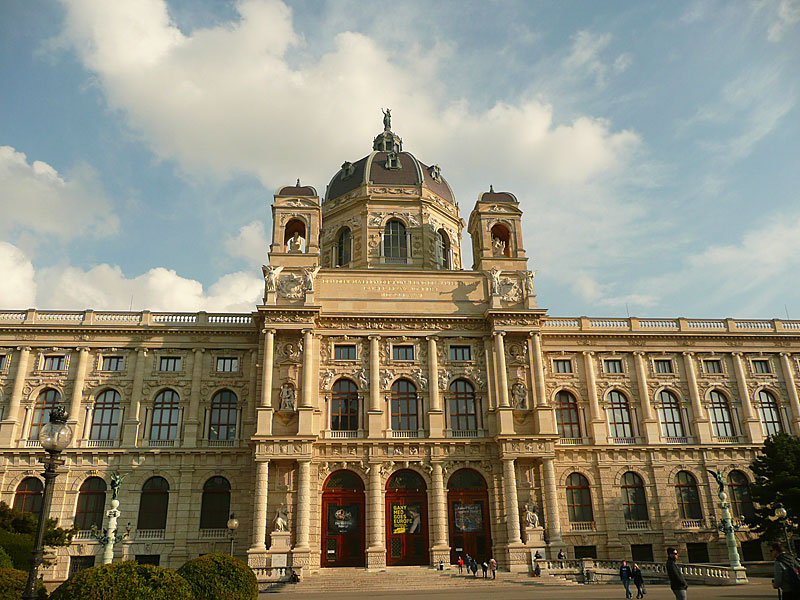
<point>702,425</point>
<point>649,421</point>
<point>8,428</point>
<point>130,429</point>
<point>192,424</point>
<point>435,412</point>
<point>791,388</point>
<point>376,549</point>
<point>544,422</point>
<point>597,423</point>
<point>752,424</point>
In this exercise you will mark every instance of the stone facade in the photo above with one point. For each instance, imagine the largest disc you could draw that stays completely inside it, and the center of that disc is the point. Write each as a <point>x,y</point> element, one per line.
<point>374,353</point>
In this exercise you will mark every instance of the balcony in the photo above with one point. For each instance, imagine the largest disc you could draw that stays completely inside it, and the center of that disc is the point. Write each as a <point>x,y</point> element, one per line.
<point>221,443</point>
<point>33,444</point>
<point>160,443</point>
<point>405,434</point>
<point>149,534</point>
<point>463,433</point>
<point>84,535</point>
<point>693,523</point>
<point>214,534</point>
<point>573,441</point>
<point>99,443</point>
<point>677,440</point>
<point>727,439</point>
<point>342,435</point>
<point>582,526</point>
<point>637,525</point>
<point>625,441</point>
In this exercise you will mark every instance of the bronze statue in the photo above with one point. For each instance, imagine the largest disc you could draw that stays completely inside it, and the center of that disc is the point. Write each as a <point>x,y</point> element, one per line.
<point>116,481</point>
<point>718,476</point>
<point>387,119</point>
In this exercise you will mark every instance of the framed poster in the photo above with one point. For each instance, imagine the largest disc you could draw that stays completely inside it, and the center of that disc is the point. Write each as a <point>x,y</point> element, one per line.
<point>468,517</point>
<point>406,518</point>
<point>343,519</point>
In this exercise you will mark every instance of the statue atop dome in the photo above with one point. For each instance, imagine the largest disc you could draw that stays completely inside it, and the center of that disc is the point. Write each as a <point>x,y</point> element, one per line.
<point>387,119</point>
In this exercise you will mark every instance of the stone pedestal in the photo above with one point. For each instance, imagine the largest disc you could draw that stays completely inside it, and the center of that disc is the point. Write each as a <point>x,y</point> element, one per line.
<point>264,420</point>
<point>534,540</point>
<point>270,298</point>
<point>440,554</point>
<point>279,549</point>
<point>305,416</point>
<point>376,559</point>
<point>436,424</point>
<point>375,424</point>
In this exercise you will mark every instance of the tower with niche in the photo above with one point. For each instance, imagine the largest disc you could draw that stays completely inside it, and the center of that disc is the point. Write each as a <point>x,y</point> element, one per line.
<point>495,226</point>
<point>295,227</point>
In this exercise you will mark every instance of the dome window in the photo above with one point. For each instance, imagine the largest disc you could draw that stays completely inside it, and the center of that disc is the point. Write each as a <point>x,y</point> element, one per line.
<point>436,173</point>
<point>343,250</point>
<point>348,169</point>
<point>393,161</point>
<point>395,242</point>
<point>442,250</point>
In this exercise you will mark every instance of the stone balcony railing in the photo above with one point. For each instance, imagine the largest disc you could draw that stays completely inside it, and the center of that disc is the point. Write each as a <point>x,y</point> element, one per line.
<point>99,443</point>
<point>582,526</point>
<point>124,319</point>
<point>150,534</point>
<point>680,325</point>
<point>693,523</point>
<point>572,441</point>
<point>590,570</point>
<point>214,534</point>
<point>637,525</point>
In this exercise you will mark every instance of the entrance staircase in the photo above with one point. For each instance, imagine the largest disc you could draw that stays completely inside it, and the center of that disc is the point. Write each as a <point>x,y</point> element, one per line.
<point>409,579</point>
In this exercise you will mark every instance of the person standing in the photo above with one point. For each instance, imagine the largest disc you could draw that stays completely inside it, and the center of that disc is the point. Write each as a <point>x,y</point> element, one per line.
<point>460,565</point>
<point>473,566</point>
<point>677,582</point>
<point>493,567</point>
<point>562,556</point>
<point>638,580</point>
<point>625,574</point>
<point>785,576</point>
<point>485,567</point>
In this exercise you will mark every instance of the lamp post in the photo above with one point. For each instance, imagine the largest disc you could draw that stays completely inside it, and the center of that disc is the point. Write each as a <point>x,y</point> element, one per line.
<point>233,525</point>
<point>726,523</point>
<point>781,515</point>
<point>55,436</point>
<point>109,536</point>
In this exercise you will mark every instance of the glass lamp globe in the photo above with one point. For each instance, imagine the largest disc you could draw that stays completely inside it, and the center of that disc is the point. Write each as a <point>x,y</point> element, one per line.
<point>780,512</point>
<point>55,436</point>
<point>233,523</point>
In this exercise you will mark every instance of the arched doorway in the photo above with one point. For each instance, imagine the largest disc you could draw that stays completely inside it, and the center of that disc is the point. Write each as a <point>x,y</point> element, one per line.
<point>468,516</point>
<point>343,521</point>
<point>406,519</point>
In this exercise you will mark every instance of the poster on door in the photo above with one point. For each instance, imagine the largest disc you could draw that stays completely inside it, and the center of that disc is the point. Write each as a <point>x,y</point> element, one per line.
<point>342,519</point>
<point>406,518</point>
<point>468,517</point>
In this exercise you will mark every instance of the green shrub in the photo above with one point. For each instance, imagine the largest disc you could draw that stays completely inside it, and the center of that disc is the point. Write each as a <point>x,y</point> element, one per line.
<point>220,577</point>
<point>18,546</point>
<point>5,560</point>
<point>12,584</point>
<point>124,581</point>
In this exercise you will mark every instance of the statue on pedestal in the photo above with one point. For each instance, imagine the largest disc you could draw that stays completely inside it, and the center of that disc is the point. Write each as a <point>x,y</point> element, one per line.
<point>295,243</point>
<point>531,518</point>
<point>281,520</point>
<point>309,273</point>
<point>271,277</point>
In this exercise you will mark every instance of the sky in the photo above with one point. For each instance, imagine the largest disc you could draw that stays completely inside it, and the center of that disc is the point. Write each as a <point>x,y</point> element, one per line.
<point>653,146</point>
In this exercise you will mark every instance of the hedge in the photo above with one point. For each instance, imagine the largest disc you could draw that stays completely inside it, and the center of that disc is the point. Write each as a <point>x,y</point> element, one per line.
<point>220,577</point>
<point>124,581</point>
<point>12,584</point>
<point>5,560</point>
<point>18,546</point>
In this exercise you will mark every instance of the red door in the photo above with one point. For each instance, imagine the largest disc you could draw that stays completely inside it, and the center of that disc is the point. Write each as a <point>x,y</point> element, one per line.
<point>468,516</point>
<point>343,521</point>
<point>406,520</point>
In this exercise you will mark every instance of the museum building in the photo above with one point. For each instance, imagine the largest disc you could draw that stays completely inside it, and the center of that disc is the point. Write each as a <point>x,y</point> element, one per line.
<point>385,406</point>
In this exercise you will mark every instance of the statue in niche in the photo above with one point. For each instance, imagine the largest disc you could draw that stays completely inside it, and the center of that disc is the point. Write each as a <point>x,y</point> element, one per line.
<point>387,119</point>
<point>271,277</point>
<point>529,283</point>
<point>287,396</point>
<point>531,518</point>
<point>281,520</point>
<point>520,395</point>
<point>296,243</point>
<point>309,273</point>
<point>494,281</point>
<point>498,247</point>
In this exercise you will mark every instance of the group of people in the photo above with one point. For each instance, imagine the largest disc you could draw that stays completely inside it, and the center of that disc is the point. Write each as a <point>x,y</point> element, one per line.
<point>471,566</point>
<point>633,573</point>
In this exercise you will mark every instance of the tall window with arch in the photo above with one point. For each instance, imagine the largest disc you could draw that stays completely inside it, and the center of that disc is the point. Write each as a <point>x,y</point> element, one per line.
<point>395,242</point>
<point>28,497</point>
<point>442,249</point>
<point>106,415</point>
<point>222,416</point>
<point>405,414</point>
<point>619,415</point>
<point>669,413</point>
<point>567,417</point>
<point>501,240</point>
<point>720,412</point>
<point>46,402</point>
<point>91,504</point>
<point>463,406</point>
<point>166,416</point>
<point>153,504</point>
<point>739,494</point>
<point>688,496</point>
<point>344,247</point>
<point>634,499</point>
<point>294,236</point>
<point>344,406</point>
<point>216,503</point>
<point>579,499</point>
<point>769,413</point>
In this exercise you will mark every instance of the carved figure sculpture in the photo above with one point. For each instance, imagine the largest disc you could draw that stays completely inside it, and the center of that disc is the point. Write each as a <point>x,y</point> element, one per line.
<point>116,482</point>
<point>271,277</point>
<point>281,520</point>
<point>494,281</point>
<point>720,480</point>
<point>287,396</point>
<point>529,282</point>
<point>519,395</point>
<point>387,119</point>
<point>531,518</point>
<point>498,247</point>
<point>296,243</point>
<point>309,273</point>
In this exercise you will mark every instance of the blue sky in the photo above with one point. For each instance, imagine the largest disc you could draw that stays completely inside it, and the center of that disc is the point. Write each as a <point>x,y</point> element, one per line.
<point>653,146</point>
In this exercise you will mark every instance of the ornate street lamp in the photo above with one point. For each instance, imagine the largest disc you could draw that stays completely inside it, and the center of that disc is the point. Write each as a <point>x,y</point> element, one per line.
<point>726,523</point>
<point>109,536</point>
<point>781,515</point>
<point>55,436</point>
<point>233,525</point>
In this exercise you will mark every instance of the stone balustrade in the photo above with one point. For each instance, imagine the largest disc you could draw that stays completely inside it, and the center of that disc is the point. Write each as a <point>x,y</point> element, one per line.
<point>589,570</point>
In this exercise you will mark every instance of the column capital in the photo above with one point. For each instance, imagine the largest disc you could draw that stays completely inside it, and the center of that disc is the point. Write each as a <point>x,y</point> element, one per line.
<point>431,338</point>
<point>737,354</point>
<point>499,332</point>
<point>142,351</point>
<point>303,460</point>
<point>307,331</point>
<point>24,348</point>
<point>786,354</point>
<point>198,350</point>
<point>374,337</point>
<point>534,334</point>
<point>688,353</point>
<point>588,352</point>
<point>271,330</point>
<point>83,350</point>
<point>639,353</point>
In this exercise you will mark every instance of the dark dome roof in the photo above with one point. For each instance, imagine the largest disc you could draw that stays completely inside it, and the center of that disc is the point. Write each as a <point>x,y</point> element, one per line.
<point>492,196</point>
<point>296,190</point>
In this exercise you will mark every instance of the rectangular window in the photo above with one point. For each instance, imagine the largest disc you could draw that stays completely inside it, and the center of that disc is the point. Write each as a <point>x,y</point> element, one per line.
<point>612,365</point>
<point>53,363</point>
<point>663,366</point>
<point>3,362</point>
<point>585,552</point>
<point>344,352</point>
<point>113,363</point>
<point>80,563</point>
<point>712,365</point>
<point>562,365</point>
<point>761,366</point>
<point>148,559</point>
<point>403,352</point>
<point>169,363</point>
<point>460,353</point>
<point>642,552</point>
<point>227,364</point>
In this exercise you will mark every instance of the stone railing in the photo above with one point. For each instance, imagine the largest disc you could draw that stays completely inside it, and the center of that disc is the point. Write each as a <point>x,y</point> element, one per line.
<point>637,525</point>
<point>214,534</point>
<point>572,441</point>
<point>679,324</point>
<point>150,534</point>
<point>590,570</point>
<point>124,319</point>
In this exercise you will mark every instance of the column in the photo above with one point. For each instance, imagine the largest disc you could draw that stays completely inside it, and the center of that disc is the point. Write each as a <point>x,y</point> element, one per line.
<point>435,413</point>
<point>441,544</point>
<point>752,424</point>
<point>490,372</point>
<point>545,421</point>
<point>260,499</point>
<point>502,375</point>
<point>700,416</point>
<point>77,393</point>
<point>268,367</point>
<point>512,505</point>
<point>791,388</point>
<point>303,504</point>
<point>597,424</point>
<point>191,429</point>
<point>307,399</point>
<point>552,518</point>
<point>374,374</point>
<point>9,426</point>
<point>649,421</point>
<point>130,428</point>
<point>376,551</point>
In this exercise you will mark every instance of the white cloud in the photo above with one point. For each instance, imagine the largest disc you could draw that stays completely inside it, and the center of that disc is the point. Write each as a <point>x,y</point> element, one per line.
<point>18,289</point>
<point>250,243</point>
<point>37,199</point>
<point>787,17</point>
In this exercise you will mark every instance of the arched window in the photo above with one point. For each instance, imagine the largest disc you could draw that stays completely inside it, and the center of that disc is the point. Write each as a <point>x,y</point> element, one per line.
<point>294,236</point>
<point>579,499</point>
<point>166,416</point>
<point>466,479</point>
<point>91,504</point>
<point>404,406</point>
<point>720,412</point>
<point>154,504</point>
<point>105,418</point>
<point>395,243</point>
<point>463,410</point>
<point>344,406</point>
<point>216,504</point>
<point>669,413</point>
<point>344,480</point>
<point>501,241</point>
<point>634,499</point>
<point>688,497</point>
<point>739,493</point>
<point>28,498</point>
<point>619,415</point>
<point>343,247</point>
<point>768,411</point>
<point>567,418</point>
<point>46,401</point>
<point>222,418</point>
<point>442,250</point>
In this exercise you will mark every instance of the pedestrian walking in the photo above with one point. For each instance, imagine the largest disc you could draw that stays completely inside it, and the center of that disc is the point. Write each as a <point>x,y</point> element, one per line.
<point>485,568</point>
<point>677,582</point>
<point>493,567</point>
<point>625,574</point>
<point>785,576</point>
<point>460,565</point>
<point>474,567</point>
<point>638,580</point>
